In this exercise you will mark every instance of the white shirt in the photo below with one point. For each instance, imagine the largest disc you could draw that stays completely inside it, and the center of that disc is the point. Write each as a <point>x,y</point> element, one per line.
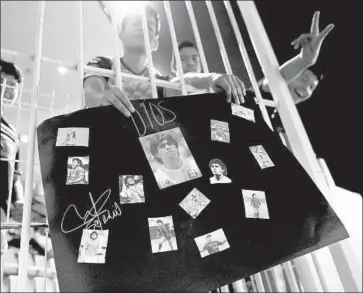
<point>223,179</point>
<point>188,171</point>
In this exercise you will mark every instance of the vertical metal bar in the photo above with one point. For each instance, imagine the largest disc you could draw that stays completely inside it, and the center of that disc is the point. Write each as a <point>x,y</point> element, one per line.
<point>80,54</point>
<point>52,103</point>
<point>149,55</point>
<point>224,288</point>
<point>268,281</point>
<point>218,34</point>
<point>239,286</point>
<point>247,63</point>
<point>24,241</point>
<point>295,130</point>
<point>326,268</point>
<point>117,60</point>
<point>3,89</point>
<point>307,274</point>
<point>46,259</point>
<point>291,277</point>
<point>278,278</point>
<point>174,41</point>
<point>253,284</point>
<point>198,40</point>
<point>259,283</point>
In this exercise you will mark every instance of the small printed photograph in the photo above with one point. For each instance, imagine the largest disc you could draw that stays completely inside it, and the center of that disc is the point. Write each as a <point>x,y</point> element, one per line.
<point>255,204</point>
<point>170,158</point>
<point>131,189</point>
<point>243,112</point>
<point>73,136</point>
<point>261,156</point>
<point>219,131</point>
<point>219,171</point>
<point>78,169</point>
<point>212,243</point>
<point>93,246</point>
<point>162,234</point>
<point>194,203</point>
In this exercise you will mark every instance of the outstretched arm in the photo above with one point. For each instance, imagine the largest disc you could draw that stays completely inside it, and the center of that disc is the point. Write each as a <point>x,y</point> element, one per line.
<point>310,48</point>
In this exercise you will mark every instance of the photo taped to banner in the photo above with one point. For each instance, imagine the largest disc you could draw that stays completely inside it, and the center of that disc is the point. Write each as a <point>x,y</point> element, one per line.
<point>219,131</point>
<point>212,243</point>
<point>73,136</point>
<point>77,170</point>
<point>170,158</point>
<point>162,234</point>
<point>93,246</point>
<point>255,204</point>
<point>131,189</point>
<point>243,112</point>
<point>194,203</point>
<point>261,156</point>
<point>219,171</point>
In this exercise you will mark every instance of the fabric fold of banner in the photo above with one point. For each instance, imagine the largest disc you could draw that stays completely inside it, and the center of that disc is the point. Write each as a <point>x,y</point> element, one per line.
<point>267,211</point>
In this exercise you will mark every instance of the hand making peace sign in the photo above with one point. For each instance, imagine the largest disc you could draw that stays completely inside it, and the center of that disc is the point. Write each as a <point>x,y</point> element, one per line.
<point>311,43</point>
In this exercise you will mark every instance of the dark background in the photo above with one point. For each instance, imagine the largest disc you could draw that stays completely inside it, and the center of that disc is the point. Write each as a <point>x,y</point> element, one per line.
<point>331,116</point>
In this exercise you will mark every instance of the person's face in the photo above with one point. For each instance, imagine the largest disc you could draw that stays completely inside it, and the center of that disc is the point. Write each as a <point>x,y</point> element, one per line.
<point>209,238</point>
<point>130,181</point>
<point>253,196</point>
<point>10,87</point>
<point>216,169</point>
<point>93,236</point>
<point>131,33</point>
<point>190,60</point>
<point>167,151</point>
<point>302,87</point>
<point>160,224</point>
<point>74,164</point>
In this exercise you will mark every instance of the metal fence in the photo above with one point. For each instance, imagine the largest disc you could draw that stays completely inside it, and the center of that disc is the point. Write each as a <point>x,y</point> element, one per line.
<point>327,270</point>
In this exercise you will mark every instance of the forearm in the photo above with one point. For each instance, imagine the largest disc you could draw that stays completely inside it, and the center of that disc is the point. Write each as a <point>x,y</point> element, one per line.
<point>289,70</point>
<point>198,80</point>
<point>18,191</point>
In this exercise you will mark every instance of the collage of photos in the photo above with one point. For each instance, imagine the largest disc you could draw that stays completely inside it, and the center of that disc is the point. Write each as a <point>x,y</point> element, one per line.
<point>77,170</point>
<point>255,204</point>
<point>131,189</point>
<point>220,131</point>
<point>72,136</point>
<point>219,171</point>
<point>170,158</point>
<point>261,156</point>
<point>212,243</point>
<point>194,203</point>
<point>162,234</point>
<point>243,112</point>
<point>93,246</point>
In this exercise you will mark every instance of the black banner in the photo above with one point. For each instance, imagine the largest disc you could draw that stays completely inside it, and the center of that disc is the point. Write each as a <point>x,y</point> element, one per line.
<point>189,194</point>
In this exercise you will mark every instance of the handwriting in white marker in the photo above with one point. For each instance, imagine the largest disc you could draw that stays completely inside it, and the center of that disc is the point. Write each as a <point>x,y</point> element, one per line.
<point>150,120</point>
<point>95,217</point>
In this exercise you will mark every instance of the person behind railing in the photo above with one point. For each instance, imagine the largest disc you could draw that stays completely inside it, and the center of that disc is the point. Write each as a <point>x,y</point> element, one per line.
<point>11,84</point>
<point>101,91</point>
<point>10,174</point>
<point>301,81</point>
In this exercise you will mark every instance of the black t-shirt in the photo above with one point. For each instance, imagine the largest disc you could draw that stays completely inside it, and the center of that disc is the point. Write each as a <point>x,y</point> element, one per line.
<point>10,148</point>
<point>135,89</point>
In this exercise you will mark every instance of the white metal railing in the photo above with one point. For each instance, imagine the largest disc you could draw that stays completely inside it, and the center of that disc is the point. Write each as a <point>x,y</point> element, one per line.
<point>304,273</point>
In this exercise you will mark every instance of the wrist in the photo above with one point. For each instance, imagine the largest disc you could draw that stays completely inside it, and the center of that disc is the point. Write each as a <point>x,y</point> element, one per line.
<point>305,63</point>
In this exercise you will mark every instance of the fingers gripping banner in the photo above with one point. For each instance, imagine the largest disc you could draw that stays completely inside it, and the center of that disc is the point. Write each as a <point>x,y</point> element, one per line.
<point>189,194</point>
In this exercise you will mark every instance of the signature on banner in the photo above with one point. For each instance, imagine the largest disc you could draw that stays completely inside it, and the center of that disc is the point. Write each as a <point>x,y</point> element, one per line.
<point>96,216</point>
